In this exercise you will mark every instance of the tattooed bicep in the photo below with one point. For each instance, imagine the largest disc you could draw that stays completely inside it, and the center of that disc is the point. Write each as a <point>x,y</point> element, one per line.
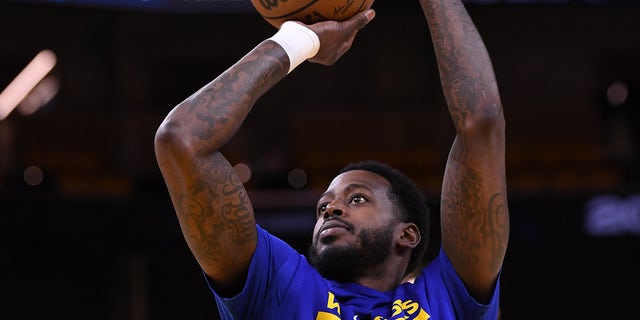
<point>216,215</point>
<point>232,202</point>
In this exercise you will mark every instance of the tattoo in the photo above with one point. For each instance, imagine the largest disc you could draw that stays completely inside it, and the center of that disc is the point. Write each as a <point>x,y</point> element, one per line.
<point>496,228</point>
<point>213,230</point>
<point>215,212</point>
<point>465,68</point>
<point>457,196</point>
<point>473,224</point>
<point>476,224</point>
<point>219,108</point>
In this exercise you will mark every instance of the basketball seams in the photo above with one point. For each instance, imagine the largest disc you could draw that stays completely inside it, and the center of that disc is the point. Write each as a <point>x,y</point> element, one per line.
<point>277,11</point>
<point>362,5</point>
<point>292,12</point>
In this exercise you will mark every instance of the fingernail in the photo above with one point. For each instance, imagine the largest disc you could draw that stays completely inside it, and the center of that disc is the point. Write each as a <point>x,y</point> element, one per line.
<point>370,14</point>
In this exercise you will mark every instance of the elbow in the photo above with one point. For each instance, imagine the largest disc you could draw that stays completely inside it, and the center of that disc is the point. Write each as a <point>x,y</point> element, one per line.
<point>171,141</point>
<point>487,120</point>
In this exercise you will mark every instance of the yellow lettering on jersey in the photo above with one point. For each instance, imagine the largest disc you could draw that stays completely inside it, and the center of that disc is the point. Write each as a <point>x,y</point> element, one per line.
<point>397,308</point>
<point>402,310</point>
<point>423,315</point>
<point>326,316</point>
<point>408,308</point>
<point>331,302</point>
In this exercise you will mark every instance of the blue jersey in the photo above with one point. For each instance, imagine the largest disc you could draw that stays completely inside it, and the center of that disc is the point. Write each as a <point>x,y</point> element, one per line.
<point>281,284</point>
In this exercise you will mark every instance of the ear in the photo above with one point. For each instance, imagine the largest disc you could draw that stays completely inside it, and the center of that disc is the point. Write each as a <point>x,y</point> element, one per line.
<point>410,236</point>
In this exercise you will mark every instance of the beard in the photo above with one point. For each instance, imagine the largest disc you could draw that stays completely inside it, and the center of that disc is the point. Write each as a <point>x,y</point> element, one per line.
<point>346,262</point>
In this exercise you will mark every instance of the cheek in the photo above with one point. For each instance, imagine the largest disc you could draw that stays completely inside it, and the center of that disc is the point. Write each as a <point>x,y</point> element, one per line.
<point>316,228</point>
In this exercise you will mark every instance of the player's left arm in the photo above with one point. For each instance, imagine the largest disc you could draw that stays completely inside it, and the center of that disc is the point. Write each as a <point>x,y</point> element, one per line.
<point>474,212</point>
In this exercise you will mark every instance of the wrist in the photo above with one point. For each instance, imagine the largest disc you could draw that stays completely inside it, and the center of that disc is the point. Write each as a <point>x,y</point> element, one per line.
<point>299,42</point>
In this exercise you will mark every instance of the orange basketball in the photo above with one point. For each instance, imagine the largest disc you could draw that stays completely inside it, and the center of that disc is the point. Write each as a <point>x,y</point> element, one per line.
<point>308,11</point>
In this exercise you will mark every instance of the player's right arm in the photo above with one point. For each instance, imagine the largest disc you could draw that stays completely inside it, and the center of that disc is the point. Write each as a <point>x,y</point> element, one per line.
<point>213,208</point>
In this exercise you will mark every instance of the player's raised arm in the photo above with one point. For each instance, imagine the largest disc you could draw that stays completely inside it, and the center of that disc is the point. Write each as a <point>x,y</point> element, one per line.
<point>474,213</point>
<point>213,209</point>
<point>215,215</point>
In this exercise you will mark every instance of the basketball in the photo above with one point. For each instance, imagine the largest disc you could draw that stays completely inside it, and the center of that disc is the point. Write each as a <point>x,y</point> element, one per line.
<point>277,12</point>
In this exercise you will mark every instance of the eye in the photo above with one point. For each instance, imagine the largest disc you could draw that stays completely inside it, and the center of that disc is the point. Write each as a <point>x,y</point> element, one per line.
<point>358,199</point>
<point>322,208</point>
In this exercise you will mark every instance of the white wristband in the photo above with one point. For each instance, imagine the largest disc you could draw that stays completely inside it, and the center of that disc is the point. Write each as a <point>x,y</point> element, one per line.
<point>298,41</point>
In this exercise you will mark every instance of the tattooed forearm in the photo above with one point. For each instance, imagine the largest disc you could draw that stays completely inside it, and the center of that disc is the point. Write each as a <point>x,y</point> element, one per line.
<point>466,71</point>
<point>218,109</point>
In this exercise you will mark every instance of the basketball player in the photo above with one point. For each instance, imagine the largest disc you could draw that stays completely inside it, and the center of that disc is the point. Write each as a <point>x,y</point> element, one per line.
<point>372,223</point>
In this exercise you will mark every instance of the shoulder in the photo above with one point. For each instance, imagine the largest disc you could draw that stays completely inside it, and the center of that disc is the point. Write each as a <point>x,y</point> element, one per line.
<point>440,279</point>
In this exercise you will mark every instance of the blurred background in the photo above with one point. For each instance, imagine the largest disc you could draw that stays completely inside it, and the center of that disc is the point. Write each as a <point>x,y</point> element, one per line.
<point>87,230</point>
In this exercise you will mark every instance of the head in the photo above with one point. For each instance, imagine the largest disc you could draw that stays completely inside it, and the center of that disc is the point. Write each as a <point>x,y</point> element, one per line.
<point>369,218</point>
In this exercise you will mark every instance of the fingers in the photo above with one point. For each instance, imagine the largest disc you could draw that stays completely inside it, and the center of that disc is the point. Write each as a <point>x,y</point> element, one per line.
<point>336,37</point>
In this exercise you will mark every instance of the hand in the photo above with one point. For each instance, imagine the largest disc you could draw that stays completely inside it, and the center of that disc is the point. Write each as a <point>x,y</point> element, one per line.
<point>336,37</point>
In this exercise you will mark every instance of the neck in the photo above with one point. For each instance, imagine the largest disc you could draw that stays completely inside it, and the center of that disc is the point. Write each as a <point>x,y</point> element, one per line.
<point>384,277</point>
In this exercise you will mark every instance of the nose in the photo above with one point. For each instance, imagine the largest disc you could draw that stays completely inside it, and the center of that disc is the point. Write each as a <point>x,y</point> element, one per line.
<point>332,210</point>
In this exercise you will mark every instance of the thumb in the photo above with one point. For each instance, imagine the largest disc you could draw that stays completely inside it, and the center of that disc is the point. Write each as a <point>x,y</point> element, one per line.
<point>361,19</point>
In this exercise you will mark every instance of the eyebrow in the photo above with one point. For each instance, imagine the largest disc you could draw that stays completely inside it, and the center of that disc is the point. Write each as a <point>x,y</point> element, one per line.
<point>350,187</point>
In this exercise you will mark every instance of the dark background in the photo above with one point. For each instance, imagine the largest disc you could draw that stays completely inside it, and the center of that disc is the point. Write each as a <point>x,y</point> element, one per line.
<point>97,238</point>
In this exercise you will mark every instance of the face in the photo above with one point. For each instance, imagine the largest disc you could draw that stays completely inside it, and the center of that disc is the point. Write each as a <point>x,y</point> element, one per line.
<point>355,225</point>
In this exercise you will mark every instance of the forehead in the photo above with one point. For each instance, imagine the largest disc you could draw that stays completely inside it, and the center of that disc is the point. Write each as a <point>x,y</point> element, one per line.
<point>359,179</point>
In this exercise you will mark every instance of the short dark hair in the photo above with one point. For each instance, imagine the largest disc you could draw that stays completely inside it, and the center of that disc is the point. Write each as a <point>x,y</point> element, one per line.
<point>408,198</point>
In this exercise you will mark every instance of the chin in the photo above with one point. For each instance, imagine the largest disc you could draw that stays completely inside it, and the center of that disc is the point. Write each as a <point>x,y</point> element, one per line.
<point>345,261</point>
<point>338,262</point>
